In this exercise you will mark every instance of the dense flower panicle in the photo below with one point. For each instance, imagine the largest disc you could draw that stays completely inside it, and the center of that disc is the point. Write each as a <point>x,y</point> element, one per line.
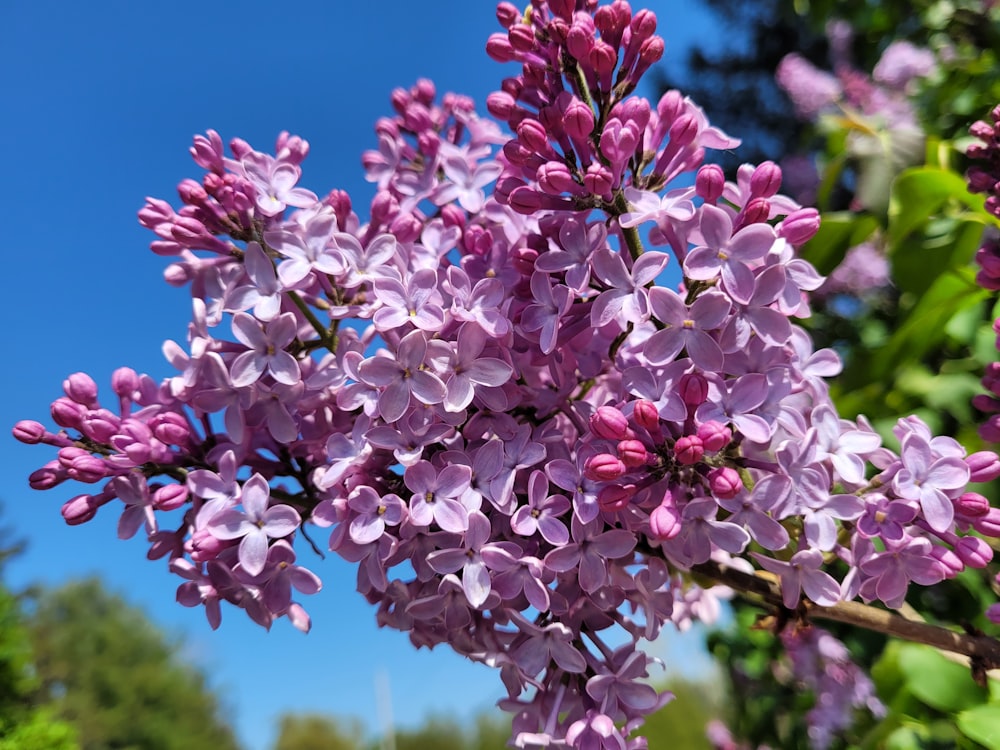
<point>522,441</point>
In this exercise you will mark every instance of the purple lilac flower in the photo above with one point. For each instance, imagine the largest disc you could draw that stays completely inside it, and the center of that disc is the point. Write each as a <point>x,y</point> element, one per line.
<point>255,524</point>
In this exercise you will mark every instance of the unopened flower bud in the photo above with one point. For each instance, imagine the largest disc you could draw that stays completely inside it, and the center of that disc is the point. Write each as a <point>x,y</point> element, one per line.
<point>508,14</point>
<point>755,212</point>
<point>988,525</point>
<point>599,180</point>
<point>202,546</point>
<point>604,467</point>
<point>609,423</point>
<point>67,413</point>
<point>665,521</point>
<point>406,227</point>
<point>424,91</point>
<point>79,509</point>
<point>533,135</point>
<point>555,179</point>
<point>602,58</point>
<point>88,469</point>
<point>948,563</point>
<point>799,226</point>
<point>499,48</point>
<point>714,436</point>
<point>724,482</point>
<point>693,387</point>
<point>169,497</point>
<point>973,551</point>
<point>28,431</point>
<point>523,259</point>
<point>689,450</point>
<point>709,183</point>
<point>521,37</point>
<point>683,131</point>
<point>972,505</point>
<point>984,466</point>
<point>646,415</point>
<point>765,180</point>
<point>501,105</point>
<point>580,41</point>
<point>633,453</point>
<point>614,498</point>
<point>171,428</point>
<point>47,477</point>
<point>80,387</point>
<point>124,382</point>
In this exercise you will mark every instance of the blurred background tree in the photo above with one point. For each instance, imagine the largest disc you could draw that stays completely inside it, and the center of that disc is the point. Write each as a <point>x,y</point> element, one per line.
<point>118,679</point>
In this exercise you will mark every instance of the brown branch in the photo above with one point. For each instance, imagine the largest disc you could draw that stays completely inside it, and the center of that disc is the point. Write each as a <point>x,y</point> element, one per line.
<point>983,651</point>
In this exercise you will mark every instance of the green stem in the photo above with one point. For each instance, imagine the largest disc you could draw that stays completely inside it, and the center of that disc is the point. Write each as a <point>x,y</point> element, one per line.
<point>328,340</point>
<point>631,234</point>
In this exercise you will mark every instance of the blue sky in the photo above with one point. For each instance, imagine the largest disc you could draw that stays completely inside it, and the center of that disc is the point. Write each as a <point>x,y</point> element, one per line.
<point>102,101</point>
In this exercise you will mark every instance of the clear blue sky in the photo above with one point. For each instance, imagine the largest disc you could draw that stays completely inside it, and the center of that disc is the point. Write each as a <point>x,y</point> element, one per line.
<point>100,103</point>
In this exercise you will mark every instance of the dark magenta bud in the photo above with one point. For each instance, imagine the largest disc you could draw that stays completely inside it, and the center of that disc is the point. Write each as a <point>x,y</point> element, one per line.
<point>521,37</point>
<point>501,105</point>
<point>79,509</point>
<point>693,387</point>
<point>169,497</point>
<point>714,436</point>
<point>724,482</point>
<point>555,178</point>
<point>646,415</point>
<point>799,226</point>
<point>973,552</point>
<point>28,431</point>
<point>604,467</point>
<point>665,520</point>
<point>765,180</point>
<point>47,477</point>
<point>81,388</point>
<point>124,382</point>
<point>972,505</point>
<point>578,120</point>
<point>984,466</point>
<point>580,41</point>
<point>533,135</point>
<point>598,180</point>
<point>499,48</point>
<point>88,469</point>
<point>683,130</point>
<point>689,450</point>
<point>615,498</point>
<point>508,15</point>
<point>633,453</point>
<point>609,423</point>
<point>67,413</point>
<point>710,182</point>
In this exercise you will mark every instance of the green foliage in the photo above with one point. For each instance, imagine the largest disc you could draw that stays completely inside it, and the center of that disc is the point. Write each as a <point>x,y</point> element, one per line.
<point>317,732</point>
<point>116,678</point>
<point>680,725</point>
<point>932,702</point>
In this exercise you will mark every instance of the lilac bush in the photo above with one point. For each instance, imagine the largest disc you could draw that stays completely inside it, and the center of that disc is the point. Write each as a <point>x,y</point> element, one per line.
<point>532,449</point>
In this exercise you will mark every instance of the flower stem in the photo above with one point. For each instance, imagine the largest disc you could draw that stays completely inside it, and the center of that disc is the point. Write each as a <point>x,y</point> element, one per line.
<point>983,651</point>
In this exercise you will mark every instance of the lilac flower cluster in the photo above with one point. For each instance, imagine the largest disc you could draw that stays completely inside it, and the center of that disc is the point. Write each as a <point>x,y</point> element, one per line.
<point>883,95</point>
<point>984,177</point>
<point>521,439</point>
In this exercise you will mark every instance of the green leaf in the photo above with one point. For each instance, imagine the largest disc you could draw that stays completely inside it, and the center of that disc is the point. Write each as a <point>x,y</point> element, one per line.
<point>919,193</point>
<point>981,724</point>
<point>838,232</point>
<point>937,681</point>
